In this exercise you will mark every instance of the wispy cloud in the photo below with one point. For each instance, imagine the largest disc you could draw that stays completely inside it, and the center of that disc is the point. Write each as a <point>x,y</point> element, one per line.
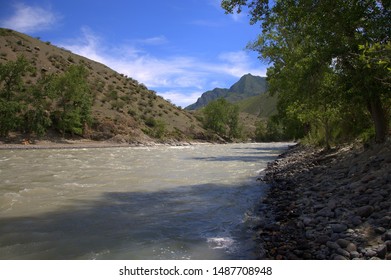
<point>30,19</point>
<point>157,40</point>
<point>181,79</point>
<point>238,17</point>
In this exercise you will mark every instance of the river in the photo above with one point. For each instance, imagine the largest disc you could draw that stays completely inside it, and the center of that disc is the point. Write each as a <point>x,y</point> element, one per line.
<point>189,202</point>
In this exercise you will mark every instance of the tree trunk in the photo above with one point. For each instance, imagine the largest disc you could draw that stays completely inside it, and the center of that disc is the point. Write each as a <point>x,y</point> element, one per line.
<point>379,119</point>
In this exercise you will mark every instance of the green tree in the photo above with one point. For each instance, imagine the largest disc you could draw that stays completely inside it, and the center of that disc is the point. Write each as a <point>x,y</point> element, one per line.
<point>307,42</point>
<point>233,123</point>
<point>11,91</point>
<point>39,101</point>
<point>74,100</point>
<point>267,131</point>
<point>222,117</point>
<point>157,128</point>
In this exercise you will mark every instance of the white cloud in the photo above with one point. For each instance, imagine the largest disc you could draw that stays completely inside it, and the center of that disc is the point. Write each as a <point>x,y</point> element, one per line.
<point>238,17</point>
<point>88,45</point>
<point>158,40</point>
<point>182,79</point>
<point>239,63</point>
<point>30,19</point>
<point>180,98</point>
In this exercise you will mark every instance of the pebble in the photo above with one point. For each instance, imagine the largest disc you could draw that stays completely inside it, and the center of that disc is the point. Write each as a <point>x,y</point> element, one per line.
<point>380,230</point>
<point>355,255</point>
<point>351,247</point>
<point>343,252</point>
<point>370,253</point>
<point>338,228</point>
<point>365,211</point>
<point>382,251</point>
<point>343,243</point>
<point>387,236</point>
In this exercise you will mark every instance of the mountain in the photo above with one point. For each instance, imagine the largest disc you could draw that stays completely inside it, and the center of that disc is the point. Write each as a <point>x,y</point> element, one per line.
<point>123,110</point>
<point>247,86</point>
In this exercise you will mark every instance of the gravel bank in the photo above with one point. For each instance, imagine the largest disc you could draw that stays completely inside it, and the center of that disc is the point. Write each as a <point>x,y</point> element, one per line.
<point>328,204</point>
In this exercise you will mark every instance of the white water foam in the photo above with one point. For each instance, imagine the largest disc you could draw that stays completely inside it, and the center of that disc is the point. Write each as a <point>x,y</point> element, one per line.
<point>220,242</point>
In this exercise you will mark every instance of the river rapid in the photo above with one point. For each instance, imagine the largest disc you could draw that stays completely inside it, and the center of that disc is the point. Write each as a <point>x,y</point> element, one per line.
<point>189,202</point>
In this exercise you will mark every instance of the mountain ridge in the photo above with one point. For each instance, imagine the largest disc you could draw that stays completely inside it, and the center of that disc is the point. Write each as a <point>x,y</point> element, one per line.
<point>247,86</point>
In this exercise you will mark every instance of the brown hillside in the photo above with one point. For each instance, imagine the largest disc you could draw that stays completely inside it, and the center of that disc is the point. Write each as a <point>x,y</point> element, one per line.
<point>124,110</point>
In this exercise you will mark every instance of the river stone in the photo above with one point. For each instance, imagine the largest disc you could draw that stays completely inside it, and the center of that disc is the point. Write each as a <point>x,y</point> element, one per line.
<point>343,242</point>
<point>322,239</point>
<point>382,251</point>
<point>351,247</point>
<point>385,221</point>
<point>387,235</point>
<point>325,212</point>
<point>388,244</point>
<point>356,220</point>
<point>332,245</point>
<point>365,211</point>
<point>343,252</point>
<point>307,221</point>
<point>368,178</point>
<point>355,255</point>
<point>380,230</point>
<point>332,204</point>
<point>338,228</point>
<point>370,253</point>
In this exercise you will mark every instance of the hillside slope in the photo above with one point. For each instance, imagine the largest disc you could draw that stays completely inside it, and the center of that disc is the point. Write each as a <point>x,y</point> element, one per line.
<point>247,86</point>
<point>123,110</point>
<point>262,105</point>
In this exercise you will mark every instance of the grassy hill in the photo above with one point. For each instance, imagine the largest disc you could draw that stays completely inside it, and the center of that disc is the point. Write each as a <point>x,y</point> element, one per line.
<point>123,110</point>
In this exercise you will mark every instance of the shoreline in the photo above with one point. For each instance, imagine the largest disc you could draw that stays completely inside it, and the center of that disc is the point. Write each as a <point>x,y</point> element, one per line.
<point>327,204</point>
<point>90,144</point>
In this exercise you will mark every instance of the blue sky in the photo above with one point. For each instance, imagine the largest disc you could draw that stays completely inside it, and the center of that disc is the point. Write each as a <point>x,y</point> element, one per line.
<point>179,48</point>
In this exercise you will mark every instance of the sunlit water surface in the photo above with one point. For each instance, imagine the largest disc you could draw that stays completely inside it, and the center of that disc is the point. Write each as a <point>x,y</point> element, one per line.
<point>192,202</point>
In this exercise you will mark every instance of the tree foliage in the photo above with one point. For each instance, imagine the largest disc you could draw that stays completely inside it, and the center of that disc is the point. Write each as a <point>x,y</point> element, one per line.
<point>222,117</point>
<point>74,100</point>
<point>62,101</point>
<point>11,90</point>
<point>330,59</point>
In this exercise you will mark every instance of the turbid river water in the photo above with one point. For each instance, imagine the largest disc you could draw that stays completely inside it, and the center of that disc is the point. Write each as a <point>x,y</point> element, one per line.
<point>192,202</point>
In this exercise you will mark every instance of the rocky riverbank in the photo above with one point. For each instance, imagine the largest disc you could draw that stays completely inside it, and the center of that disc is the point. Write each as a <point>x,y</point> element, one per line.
<point>328,204</point>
